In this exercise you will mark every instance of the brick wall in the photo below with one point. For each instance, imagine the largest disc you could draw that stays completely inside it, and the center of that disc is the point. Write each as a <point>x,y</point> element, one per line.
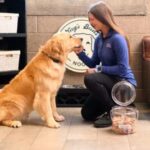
<point>44,18</point>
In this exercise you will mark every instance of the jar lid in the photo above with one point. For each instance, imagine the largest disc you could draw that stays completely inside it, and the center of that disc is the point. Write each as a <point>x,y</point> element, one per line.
<point>123,93</point>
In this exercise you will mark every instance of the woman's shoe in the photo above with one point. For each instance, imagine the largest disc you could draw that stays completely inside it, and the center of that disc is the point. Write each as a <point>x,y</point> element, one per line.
<point>103,121</point>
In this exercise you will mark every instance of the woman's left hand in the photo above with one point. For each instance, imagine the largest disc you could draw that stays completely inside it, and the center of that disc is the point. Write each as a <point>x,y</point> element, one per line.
<point>90,70</point>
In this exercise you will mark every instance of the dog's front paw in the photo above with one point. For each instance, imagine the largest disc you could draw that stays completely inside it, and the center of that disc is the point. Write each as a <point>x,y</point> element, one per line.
<point>53,125</point>
<point>59,118</point>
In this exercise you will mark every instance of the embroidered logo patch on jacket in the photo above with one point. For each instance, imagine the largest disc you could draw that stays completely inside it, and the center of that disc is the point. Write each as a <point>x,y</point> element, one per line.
<point>108,45</point>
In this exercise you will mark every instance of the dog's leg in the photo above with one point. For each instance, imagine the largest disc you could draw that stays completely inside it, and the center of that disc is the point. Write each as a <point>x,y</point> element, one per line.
<point>43,107</point>
<point>57,116</point>
<point>7,117</point>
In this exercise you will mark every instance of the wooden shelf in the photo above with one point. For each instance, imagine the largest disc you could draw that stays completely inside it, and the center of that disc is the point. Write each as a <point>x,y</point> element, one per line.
<point>2,35</point>
<point>4,73</point>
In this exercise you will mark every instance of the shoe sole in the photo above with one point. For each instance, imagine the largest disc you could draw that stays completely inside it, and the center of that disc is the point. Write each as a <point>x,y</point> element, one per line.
<point>102,126</point>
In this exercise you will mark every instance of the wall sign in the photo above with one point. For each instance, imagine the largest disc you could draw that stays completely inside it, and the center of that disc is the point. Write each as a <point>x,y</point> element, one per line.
<point>79,27</point>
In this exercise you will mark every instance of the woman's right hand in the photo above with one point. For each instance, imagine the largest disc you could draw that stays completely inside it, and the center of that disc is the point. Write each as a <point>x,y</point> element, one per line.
<point>90,70</point>
<point>78,50</point>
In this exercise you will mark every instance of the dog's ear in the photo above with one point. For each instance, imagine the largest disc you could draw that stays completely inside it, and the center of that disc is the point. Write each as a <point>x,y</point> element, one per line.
<point>53,46</point>
<point>56,47</point>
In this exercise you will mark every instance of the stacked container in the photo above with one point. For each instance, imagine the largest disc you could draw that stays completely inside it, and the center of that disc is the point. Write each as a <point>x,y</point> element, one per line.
<point>124,117</point>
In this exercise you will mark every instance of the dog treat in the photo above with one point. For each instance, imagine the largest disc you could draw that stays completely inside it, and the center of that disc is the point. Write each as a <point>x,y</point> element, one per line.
<point>123,124</point>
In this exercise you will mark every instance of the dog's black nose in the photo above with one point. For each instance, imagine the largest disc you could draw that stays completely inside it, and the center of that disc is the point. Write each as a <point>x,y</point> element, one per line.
<point>81,39</point>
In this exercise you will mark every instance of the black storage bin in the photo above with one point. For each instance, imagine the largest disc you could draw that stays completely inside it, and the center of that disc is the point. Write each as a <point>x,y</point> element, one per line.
<point>71,97</point>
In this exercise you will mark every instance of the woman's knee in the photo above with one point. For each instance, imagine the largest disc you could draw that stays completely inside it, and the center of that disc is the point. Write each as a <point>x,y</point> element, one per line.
<point>89,80</point>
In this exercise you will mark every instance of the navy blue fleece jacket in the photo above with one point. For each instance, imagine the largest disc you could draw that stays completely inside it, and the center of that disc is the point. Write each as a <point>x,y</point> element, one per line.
<point>112,51</point>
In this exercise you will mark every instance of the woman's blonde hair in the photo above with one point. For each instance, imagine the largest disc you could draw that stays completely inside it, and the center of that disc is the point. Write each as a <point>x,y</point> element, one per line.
<point>103,13</point>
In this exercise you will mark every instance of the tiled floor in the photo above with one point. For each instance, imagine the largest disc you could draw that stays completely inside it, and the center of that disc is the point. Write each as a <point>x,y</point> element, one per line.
<point>75,134</point>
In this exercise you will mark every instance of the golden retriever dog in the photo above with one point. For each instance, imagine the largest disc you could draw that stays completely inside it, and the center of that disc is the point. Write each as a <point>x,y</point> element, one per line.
<point>36,86</point>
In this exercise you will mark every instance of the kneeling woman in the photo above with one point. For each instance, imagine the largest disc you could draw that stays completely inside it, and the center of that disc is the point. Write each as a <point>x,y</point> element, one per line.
<point>108,65</point>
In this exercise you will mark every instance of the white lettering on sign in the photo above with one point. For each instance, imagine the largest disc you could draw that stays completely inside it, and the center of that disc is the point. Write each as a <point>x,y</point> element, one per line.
<point>79,27</point>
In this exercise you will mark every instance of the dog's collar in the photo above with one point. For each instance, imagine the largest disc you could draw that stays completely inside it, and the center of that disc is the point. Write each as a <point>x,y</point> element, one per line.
<point>52,58</point>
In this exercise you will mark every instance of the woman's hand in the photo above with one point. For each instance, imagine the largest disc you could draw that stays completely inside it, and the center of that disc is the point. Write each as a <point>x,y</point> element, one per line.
<point>90,70</point>
<point>78,50</point>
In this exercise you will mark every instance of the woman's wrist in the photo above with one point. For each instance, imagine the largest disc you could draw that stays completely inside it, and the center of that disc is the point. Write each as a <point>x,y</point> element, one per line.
<point>98,68</point>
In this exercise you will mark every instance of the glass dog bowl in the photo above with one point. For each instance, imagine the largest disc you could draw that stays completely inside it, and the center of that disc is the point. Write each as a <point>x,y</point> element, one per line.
<point>124,118</point>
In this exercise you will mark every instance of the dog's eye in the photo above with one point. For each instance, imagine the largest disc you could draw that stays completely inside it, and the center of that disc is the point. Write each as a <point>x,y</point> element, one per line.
<point>87,42</point>
<point>70,36</point>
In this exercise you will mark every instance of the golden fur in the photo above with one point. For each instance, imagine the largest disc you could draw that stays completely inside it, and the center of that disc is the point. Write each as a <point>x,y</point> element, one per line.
<point>36,86</point>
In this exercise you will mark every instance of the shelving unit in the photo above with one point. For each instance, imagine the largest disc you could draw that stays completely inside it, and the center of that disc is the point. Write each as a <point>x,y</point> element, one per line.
<point>14,41</point>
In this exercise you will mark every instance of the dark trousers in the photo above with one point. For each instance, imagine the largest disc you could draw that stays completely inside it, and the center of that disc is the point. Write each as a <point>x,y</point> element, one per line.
<point>100,100</point>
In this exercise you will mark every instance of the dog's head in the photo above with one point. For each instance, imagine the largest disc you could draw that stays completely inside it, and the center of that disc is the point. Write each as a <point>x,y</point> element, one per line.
<point>60,45</point>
